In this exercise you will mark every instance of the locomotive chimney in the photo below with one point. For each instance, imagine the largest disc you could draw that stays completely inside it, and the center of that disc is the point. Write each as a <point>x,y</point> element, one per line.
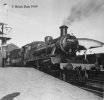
<point>63,30</point>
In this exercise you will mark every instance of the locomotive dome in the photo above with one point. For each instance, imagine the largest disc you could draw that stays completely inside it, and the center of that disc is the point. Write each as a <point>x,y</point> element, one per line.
<point>48,38</point>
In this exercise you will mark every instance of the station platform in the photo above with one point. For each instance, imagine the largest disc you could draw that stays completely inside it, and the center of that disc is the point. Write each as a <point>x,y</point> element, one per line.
<point>31,84</point>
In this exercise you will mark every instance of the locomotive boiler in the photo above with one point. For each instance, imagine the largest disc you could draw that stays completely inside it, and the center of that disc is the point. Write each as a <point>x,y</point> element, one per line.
<point>65,44</point>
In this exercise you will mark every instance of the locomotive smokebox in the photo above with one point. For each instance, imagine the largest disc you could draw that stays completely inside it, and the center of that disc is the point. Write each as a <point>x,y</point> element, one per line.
<point>63,30</point>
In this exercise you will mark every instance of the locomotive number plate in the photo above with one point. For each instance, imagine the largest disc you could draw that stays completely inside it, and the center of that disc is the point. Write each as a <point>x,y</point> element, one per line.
<point>70,40</point>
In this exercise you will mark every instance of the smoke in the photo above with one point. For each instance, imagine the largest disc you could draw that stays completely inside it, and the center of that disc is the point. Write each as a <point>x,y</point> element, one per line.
<point>84,9</point>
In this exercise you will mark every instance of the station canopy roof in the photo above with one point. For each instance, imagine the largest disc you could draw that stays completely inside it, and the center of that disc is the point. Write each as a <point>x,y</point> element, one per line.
<point>86,43</point>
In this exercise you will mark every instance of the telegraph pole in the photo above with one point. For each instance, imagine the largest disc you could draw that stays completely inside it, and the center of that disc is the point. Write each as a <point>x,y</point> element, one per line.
<point>3,44</point>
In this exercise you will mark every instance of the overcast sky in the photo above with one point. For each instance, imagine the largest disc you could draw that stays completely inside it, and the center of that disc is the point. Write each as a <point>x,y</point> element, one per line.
<point>46,16</point>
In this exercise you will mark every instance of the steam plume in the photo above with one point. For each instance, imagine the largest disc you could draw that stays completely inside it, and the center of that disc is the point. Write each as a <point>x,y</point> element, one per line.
<point>84,9</point>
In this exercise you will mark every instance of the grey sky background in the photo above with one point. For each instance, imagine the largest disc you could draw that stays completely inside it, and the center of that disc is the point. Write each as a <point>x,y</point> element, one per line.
<point>85,19</point>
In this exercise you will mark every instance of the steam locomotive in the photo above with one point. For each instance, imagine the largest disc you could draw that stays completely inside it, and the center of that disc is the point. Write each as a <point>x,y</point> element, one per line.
<point>57,57</point>
<point>54,56</point>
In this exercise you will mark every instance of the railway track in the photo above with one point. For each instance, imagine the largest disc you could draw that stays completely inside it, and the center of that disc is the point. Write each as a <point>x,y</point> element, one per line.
<point>95,91</point>
<point>96,80</point>
<point>93,86</point>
